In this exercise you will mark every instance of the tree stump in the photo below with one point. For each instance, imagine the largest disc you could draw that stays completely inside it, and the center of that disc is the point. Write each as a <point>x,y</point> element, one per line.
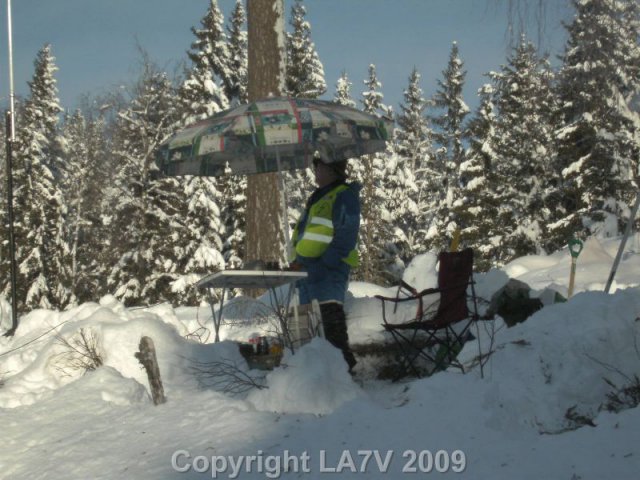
<point>147,357</point>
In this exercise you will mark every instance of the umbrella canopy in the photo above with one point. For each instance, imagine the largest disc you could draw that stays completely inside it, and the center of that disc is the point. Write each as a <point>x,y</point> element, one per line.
<point>273,134</point>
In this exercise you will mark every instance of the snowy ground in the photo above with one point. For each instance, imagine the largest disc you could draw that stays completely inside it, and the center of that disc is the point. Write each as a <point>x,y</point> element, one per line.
<point>517,421</point>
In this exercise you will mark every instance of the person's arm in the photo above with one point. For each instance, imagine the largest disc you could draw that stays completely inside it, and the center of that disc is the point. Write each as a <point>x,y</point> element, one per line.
<point>346,224</point>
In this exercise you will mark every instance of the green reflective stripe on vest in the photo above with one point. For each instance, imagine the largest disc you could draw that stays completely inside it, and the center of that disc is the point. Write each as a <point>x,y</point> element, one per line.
<point>318,232</point>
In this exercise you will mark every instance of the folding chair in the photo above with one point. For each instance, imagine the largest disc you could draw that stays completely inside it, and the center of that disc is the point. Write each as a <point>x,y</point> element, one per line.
<point>438,331</point>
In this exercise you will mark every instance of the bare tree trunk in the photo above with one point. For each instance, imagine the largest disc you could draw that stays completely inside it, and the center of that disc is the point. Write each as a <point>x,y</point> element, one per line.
<point>266,60</point>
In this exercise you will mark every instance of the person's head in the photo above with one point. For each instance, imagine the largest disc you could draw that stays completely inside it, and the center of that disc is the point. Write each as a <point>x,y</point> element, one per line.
<point>327,173</point>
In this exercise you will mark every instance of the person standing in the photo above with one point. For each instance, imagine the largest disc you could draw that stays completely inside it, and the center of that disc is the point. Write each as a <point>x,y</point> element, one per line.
<point>324,245</point>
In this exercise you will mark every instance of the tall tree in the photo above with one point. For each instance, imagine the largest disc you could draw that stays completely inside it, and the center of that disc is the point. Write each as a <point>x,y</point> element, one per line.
<point>523,169</point>
<point>305,73</point>
<point>86,170</point>
<point>236,84</point>
<point>233,193</point>
<point>148,210</point>
<point>201,93</point>
<point>450,112</point>
<point>267,74</point>
<point>598,147</point>
<point>413,173</point>
<point>342,95</point>
<point>479,183</point>
<point>42,249</point>
<point>376,247</point>
<point>199,250</point>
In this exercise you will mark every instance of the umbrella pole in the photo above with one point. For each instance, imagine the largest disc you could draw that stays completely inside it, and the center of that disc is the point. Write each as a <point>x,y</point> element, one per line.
<point>283,200</point>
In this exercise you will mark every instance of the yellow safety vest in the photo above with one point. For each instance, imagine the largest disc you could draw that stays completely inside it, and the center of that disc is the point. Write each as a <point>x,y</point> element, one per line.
<point>318,231</point>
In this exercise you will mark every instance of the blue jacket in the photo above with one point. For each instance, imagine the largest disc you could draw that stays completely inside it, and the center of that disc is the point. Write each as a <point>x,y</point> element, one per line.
<point>329,274</point>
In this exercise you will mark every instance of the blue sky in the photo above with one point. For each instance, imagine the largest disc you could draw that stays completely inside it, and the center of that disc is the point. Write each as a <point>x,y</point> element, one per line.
<point>94,41</point>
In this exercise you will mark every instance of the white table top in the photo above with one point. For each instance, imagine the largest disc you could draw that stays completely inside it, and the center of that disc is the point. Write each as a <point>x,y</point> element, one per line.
<point>249,279</point>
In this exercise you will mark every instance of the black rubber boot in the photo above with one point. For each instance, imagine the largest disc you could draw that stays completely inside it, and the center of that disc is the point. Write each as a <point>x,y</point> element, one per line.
<point>334,322</point>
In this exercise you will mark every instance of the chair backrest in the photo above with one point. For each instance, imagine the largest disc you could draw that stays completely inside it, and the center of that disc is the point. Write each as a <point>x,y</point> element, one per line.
<point>454,276</point>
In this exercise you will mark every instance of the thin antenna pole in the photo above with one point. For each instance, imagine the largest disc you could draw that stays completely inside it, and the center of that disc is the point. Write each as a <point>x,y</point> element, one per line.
<point>12,105</point>
<point>11,136</point>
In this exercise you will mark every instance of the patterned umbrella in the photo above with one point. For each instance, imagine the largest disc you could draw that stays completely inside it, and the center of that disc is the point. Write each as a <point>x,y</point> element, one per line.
<point>274,134</point>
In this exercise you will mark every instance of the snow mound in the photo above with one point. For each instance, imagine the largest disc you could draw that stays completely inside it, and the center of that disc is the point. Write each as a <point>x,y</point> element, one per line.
<point>421,272</point>
<point>109,385</point>
<point>44,356</point>
<point>555,363</point>
<point>314,380</point>
<point>592,267</point>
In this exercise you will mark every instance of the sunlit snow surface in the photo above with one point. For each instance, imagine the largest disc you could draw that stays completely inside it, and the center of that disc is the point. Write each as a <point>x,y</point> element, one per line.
<point>510,422</point>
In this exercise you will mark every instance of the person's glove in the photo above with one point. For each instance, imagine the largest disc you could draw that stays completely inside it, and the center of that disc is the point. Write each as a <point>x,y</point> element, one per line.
<point>295,267</point>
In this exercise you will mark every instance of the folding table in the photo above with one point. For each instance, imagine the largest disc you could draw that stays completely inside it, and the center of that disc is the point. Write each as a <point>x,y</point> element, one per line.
<point>252,279</point>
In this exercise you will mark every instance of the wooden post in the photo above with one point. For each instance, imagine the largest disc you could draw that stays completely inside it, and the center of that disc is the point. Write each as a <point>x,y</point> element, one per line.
<point>147,357</point>
<point>266,61</point>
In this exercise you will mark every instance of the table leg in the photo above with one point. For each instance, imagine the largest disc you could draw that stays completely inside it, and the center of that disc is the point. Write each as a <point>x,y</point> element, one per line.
<point>291,291</point>
<point>217,320</point>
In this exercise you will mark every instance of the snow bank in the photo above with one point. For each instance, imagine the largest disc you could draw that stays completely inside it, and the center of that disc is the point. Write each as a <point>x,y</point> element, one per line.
<point>558,359</point>
<point>592,268</point>
<point>542,374</point>
<point>314,380</point>
<point>36,362</point>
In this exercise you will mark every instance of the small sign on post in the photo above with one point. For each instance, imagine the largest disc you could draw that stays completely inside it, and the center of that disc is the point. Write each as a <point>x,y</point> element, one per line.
<point>575,247</point>
<point>147,357</point>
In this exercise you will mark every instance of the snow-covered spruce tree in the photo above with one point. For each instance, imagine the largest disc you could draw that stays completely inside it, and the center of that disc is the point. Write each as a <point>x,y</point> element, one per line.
<point>479,183</point>
<point>42,250</point>
<point>201,94</point>
<point>598,145</point>
<point>200,246</point>
<point>305,73</point>
<point>342,96</point>
<point>235,86</point>
<point>448,117</point>
<point>147,228</point>
<point>86,170</point>
<point>525,148</point>
<point>232,188</point>
<point>412,202</point>
<point>378,254</point>
<point>233,216</point>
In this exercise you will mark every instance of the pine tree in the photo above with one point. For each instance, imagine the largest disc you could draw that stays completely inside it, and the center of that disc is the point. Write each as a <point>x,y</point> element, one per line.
<point>233,216</point>
<point>305,73</point>
<point>86,172</point>
<point>448,139</point>
<point>378,254</point>
<point>201,94</point>
<point>523,168</point>
<point>232,198</point>
<point>479,183</point>
<point>148,233</point>
<point>412,175</point>
<point>236,85</point>
<point>598,145</point>
<point>200,246</point>
<point>343,91</point>
<point>42,250</point>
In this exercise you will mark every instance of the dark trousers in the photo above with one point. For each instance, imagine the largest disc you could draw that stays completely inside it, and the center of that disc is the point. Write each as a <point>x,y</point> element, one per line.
<point>334,322</point>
